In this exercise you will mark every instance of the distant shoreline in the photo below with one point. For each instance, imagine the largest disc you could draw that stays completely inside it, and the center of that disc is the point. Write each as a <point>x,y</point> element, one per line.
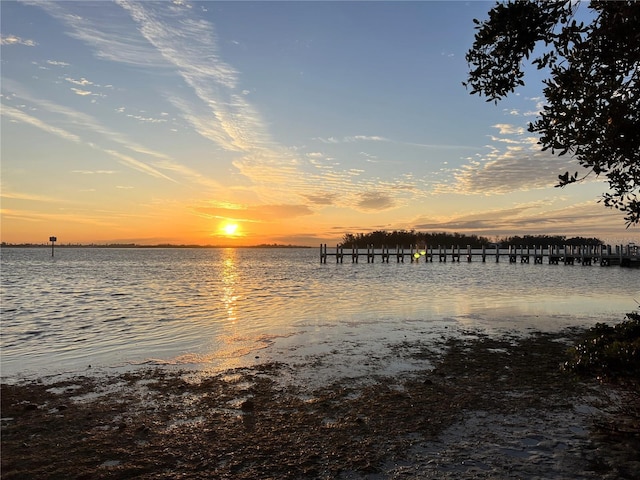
<point>135,245</point>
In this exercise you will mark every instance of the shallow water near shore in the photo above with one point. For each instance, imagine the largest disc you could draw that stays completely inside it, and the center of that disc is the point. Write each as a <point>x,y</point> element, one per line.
<point>88,309</point>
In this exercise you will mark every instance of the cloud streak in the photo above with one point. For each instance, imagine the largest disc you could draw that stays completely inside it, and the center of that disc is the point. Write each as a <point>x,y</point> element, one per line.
<point>20,116</point>
<point>193,52</point>
<point>531,218</point>
<point>81,121</point>
<point>109,36</point>
<point>254,213</point>
<point>86,123</point>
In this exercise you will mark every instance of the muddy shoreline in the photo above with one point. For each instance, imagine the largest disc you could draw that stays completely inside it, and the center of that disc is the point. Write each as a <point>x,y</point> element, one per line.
<point>483,407</point>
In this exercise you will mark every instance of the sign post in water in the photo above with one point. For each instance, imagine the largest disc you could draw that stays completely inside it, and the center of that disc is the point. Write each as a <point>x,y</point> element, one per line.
<point>53,240</point>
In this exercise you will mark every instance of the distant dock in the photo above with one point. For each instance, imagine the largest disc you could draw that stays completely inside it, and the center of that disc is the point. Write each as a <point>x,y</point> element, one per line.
<point>605,255</point>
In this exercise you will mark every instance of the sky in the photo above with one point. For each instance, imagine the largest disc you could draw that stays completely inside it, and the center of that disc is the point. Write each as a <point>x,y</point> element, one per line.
<point>243,123</point>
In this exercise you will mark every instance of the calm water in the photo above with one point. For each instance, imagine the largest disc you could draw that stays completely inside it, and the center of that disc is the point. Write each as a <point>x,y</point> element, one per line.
<point>93,308</point>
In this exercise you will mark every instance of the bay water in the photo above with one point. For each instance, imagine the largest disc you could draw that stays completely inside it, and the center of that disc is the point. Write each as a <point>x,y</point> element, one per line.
<point>96,309</point>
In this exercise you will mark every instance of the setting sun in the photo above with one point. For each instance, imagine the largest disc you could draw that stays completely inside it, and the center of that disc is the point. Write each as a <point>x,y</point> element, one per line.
<point>230,229</point>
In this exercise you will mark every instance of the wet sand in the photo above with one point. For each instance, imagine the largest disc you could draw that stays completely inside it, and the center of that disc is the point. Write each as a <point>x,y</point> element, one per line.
<point>482,407</point>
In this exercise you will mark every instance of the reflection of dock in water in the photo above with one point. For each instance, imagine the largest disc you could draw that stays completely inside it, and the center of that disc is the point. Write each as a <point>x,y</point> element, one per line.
<point>605,255</point>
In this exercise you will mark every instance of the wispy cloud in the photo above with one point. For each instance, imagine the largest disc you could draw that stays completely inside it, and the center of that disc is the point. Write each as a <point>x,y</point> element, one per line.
<point>254,213</point>
<point>82,82</point>
<point>27,196</point>
<point>80,92</point>
<point>92,217</point>
<point>81,121</point>
<point>321,198</point>
<point>94,172</point>
<point>517,166</point>
<point>365,138</point>
<point>85,122</point>
<point>507,129</point>
<point>108,32</point>
<point>352,139</point>
<point>230,120</point>
<point>375,201</point>
<point>57,63</point>
<point>138,165</point>
<point>20,116</point>
<point>549,217</point>
<point>379,138</point>
<point>14,40</point>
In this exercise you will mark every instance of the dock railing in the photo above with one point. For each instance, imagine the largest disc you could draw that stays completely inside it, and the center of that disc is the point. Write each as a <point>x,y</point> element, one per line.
<point>605,255</point>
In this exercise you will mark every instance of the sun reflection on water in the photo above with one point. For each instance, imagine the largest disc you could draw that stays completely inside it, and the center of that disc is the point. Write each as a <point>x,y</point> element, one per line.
<point>229,278</point>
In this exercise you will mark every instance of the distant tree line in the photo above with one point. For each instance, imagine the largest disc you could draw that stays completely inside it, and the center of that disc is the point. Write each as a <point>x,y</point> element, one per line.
<point>405,238</point>
<point>544,240</point>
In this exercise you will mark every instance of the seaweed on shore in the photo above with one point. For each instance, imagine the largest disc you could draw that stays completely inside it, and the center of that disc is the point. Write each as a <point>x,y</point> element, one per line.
<point>609,353</point>
<point>612,355</point>
<point>247,424</point>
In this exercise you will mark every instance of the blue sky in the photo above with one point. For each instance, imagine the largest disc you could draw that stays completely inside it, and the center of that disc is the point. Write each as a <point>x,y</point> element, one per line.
<point>262,122</point>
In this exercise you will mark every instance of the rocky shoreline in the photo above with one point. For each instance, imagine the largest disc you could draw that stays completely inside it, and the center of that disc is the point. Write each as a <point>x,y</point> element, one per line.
<point>483,407</point>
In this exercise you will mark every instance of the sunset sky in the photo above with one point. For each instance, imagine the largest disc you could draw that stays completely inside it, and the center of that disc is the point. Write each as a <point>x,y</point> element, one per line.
<point>241,123</point>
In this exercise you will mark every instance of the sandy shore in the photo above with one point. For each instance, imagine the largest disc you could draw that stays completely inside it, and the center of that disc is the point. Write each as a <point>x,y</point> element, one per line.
<point>483,407</point>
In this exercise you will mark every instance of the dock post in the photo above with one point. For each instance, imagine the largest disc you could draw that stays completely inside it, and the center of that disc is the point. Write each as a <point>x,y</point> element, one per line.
<point>568,255</point>
<point>605,259</point>
<point>621,253</point>
<point>468,253</point>
<point>497,253</point>
<point>537,258</point>
<point>484,253</point>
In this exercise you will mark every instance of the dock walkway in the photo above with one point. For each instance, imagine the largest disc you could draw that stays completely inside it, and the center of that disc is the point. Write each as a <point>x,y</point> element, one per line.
<point>605,255</point>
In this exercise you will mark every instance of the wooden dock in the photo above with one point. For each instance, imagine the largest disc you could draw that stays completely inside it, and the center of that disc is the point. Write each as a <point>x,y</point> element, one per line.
<point>605,255</point>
